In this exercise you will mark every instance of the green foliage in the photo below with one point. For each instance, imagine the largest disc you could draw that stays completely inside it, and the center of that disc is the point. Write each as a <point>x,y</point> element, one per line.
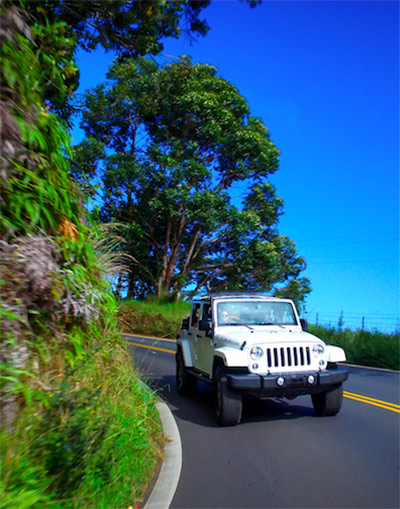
<point>95,442</point>
<point>363,347</point>
<point>66,379</point>
<point>173,141</point>
<point>79,429</point>
<point>83,165</point>
<point>127,28</point>
<point>55,55</point>
<point>24,481</point>
<point>152,317</point>
<point>295,291</point>
<point>35,186</point>
<point>69,437</point>
<point>134,27</point>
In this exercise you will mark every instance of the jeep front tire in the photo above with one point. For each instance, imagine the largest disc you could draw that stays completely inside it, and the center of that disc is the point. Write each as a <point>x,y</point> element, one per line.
<point>328,402</point>
<point>228,403</point>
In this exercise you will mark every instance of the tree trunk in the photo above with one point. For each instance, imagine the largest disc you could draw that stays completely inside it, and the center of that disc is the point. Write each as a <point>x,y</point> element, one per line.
<point>171,267</point>
<point>161,286</point>
<point>131,286</point>
<point>169,262</point>
<point>189,255</point>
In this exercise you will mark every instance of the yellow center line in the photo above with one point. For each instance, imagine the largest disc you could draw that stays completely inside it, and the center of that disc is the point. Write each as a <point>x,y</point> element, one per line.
<point>150,347</point>
<point>349,395</point>
<point>372,401</point>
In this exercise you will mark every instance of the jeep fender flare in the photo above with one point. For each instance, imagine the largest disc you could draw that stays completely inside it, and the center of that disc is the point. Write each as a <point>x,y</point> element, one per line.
<point>231,357</point>
<point>185,348</point>
<point>335,353</point>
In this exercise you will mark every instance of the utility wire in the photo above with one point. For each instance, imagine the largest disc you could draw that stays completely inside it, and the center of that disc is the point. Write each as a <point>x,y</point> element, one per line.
<point>349,237</point>
<point>379,260</point>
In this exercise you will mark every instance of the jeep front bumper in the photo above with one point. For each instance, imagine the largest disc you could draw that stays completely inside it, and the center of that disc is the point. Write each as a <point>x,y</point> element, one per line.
<point>288,384</point>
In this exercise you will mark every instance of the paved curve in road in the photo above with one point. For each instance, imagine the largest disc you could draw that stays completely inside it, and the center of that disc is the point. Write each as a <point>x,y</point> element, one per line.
<point>282,455</point>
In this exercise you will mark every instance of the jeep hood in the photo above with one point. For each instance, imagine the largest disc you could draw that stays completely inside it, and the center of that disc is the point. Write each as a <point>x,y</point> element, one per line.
<point>260,335</point>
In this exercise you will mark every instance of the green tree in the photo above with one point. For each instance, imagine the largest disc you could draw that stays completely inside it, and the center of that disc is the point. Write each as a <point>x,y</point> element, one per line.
<point>128,28</point>
<point>177,139</point>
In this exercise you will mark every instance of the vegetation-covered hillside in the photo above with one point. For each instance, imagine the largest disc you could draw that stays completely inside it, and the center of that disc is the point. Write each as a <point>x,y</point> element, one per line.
<point>78,428</point>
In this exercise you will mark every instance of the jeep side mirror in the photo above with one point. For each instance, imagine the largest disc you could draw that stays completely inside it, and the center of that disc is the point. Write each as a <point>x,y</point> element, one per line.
<point>204,325</point>
<point>303,323</point>
<point>185,323</point>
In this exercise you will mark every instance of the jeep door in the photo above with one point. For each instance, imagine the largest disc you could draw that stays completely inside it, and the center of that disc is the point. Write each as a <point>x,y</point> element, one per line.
<point>204,344</point>
<point>193,331</point>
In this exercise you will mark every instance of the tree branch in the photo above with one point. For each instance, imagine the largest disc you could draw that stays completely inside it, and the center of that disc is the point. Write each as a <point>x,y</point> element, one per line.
<point>190,252</point>
<point>211,267</point>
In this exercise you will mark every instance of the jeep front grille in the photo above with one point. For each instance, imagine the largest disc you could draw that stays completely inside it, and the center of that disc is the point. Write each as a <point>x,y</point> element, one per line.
<point>287,357</point>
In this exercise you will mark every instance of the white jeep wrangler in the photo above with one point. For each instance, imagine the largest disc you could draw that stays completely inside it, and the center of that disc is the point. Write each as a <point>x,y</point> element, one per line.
<point>257,345</point>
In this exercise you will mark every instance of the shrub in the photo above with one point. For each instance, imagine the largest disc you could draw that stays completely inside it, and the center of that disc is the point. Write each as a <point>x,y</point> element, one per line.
<point>362,347</point>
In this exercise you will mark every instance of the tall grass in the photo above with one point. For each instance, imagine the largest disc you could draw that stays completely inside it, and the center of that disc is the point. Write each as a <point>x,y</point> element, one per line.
<point>152,317</point>
<point>96,442</point>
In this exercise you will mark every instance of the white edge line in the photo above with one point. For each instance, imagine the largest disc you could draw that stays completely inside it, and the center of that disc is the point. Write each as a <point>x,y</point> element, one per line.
<point>168,478</point>
<point>386,370</point>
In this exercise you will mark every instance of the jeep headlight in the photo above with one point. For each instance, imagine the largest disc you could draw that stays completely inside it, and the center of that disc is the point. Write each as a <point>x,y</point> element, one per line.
<point>318,350</point>
<point>256,353</point>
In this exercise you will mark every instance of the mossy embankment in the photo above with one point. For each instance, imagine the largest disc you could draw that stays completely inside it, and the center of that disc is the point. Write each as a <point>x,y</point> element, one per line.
<point>152,317</point>
<point>163,320</point>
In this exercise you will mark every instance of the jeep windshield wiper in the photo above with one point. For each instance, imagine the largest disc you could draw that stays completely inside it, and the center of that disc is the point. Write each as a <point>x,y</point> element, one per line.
<point>241,325</point>
<point>269,323</point>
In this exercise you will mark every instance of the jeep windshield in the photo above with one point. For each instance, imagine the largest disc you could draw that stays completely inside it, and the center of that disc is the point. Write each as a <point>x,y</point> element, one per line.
<point>254,312</point>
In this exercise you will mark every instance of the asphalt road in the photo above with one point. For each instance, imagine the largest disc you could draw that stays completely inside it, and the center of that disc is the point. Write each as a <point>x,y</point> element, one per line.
<point>282,455</point>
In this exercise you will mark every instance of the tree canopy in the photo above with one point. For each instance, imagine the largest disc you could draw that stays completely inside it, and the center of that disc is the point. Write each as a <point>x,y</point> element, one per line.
<point>133,28</point>
<point>128,28</point>
<point>173,142</point>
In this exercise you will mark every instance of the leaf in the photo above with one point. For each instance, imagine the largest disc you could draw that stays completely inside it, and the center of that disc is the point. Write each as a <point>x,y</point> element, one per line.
<point>68,229</point>
<point>33,210</point>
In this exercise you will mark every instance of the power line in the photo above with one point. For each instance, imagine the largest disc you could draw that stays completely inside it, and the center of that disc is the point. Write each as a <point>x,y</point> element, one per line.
<point>346,237</point>
<point>349,243</point>
<point>380,260</point>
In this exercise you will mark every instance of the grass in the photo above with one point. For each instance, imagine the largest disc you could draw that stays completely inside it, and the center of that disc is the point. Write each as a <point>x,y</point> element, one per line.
<point>155,318</point>
<point>95,443</point>
<point>152,318</point>
<point>131,447</point>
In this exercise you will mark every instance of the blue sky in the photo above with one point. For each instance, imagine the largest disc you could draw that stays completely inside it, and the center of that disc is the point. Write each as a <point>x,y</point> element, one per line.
<point>324,77</point>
